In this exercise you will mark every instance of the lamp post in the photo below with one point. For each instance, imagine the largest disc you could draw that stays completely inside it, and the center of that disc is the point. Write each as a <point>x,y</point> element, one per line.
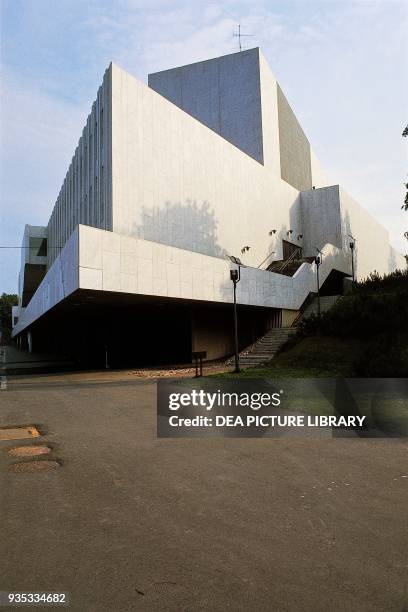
<point>352,247</point>
<point>235,276</point>
<point>318,262</point>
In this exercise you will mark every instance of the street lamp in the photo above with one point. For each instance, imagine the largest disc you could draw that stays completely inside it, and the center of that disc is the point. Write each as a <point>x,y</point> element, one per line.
<point>235,276</point>
<point>318,262</point>
<point>352,247</point>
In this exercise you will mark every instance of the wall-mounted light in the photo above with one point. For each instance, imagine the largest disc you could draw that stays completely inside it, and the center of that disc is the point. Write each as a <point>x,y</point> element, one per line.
<point>289,232</point>
<point>272,232</point>
<point>300,236</point>
<point>245,249</point>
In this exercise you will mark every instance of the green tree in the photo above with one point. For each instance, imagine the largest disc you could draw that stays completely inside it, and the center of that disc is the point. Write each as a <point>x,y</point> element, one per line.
<point>405,205</point>
<point>7,301</point>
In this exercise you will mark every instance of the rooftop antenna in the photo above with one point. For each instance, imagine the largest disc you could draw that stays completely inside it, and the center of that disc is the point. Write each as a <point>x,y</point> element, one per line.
<point>240,35</point>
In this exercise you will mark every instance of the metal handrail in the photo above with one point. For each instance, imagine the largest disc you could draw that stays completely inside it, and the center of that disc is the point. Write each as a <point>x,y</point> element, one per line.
<point>309,300</point>
<point>291,258</point>
<point>267,257</point>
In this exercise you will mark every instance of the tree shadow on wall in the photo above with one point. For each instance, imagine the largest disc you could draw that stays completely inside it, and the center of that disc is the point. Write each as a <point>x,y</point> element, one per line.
<point>190,226</point>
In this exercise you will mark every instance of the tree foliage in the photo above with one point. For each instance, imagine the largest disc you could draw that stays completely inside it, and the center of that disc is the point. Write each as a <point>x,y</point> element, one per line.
<point>405,205</point>
<point>7,301</point>
<point>376,313</point>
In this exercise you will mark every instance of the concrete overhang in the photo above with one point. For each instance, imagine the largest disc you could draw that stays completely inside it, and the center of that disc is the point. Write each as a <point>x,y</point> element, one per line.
<point>105,263</point>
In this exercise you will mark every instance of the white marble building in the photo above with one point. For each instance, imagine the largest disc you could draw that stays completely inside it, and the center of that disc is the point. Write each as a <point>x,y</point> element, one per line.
<point>171,178</point>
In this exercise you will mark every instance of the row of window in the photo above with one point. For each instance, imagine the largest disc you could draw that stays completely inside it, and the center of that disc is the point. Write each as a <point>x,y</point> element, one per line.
<point>82,198</point>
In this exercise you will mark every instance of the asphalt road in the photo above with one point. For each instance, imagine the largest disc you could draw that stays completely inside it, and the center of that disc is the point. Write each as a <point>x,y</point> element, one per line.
<point>130,523</point>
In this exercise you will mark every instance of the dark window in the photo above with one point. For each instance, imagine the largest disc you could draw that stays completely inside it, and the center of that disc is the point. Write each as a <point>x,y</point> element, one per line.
<point>38,246</point>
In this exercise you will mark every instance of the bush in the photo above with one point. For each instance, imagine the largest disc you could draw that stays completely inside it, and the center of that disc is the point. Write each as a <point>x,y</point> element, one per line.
<point>376,313</point>
<point>395,281</point>
<point>362,316</point>
<point>7,301</point>
<point>385,358</point>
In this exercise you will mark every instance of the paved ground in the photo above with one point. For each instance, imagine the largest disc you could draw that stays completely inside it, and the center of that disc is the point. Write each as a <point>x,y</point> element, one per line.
<point>130,523</point>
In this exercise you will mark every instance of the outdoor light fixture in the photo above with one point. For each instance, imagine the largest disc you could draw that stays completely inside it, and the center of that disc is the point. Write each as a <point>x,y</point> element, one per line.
<point>244,249</point>
<point>272,232</point>
<point>352,247</point>
<point>289,232</point>
<point>300,236</point>
<point>235,260</point>
<point>235,276</point>
<point>318,261</point>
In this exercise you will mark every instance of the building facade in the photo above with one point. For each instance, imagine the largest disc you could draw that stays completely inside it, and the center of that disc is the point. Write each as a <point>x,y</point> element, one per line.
<point>168,181</point>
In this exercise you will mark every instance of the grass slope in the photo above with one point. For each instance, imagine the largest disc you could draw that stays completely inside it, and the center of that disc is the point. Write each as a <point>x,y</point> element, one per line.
<point>316,356</point>
<point>365,334</point>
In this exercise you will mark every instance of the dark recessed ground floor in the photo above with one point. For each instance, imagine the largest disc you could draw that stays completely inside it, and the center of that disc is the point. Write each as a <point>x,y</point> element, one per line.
<point>93,327</point>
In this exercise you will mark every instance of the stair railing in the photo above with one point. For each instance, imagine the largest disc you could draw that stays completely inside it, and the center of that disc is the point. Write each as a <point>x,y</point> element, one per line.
<point>290,259</point>
<point>309,299</point>
<point>267,257</point>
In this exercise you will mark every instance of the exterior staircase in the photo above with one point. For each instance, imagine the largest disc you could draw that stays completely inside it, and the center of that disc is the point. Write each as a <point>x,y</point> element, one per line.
<point>289,266</point>
<point>265,348</point>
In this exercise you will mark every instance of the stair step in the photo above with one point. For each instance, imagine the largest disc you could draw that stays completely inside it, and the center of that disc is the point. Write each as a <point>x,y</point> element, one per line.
<point>253,363</point>
<point>266,347</point>
<point>261,356</point>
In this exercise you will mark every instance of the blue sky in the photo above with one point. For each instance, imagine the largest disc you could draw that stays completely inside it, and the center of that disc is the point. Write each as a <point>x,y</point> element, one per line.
<point>342,65</point>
